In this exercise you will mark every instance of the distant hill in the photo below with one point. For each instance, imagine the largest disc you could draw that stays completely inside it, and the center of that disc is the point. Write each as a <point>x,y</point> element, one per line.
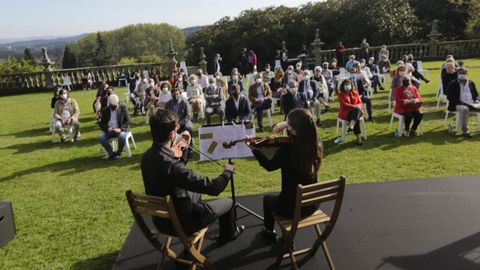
<point>190,30</point>
<point>55,46</point>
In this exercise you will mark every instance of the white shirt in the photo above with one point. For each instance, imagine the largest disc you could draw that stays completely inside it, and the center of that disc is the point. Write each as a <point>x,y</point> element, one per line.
<point>203,81</point>
<point>260,91</point>
<point>112,123</point>
<point>66,110</point>
<point>237,102</point>
<point>307,89</point>
<point>465,94</point>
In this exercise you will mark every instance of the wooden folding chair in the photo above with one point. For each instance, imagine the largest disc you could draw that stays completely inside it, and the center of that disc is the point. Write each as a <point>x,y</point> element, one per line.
<point>164,208</point>
<point>306,196</point>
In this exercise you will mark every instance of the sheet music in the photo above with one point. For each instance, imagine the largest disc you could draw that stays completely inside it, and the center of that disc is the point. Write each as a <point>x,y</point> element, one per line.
<point>211,141</point>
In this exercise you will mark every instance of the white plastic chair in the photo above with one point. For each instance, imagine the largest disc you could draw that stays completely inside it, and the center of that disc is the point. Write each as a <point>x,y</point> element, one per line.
<point>390,101</point>
<point>67,82</point>
<point>424,72</point>
<point>344,128</point>
<point>269,116</point>
<point>401,120</point>
<point>68,128</point>
<point>114,143</point>
<point>457,122</point>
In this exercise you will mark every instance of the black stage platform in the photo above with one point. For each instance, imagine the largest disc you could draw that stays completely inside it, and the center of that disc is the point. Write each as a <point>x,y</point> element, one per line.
<point>420,224</point>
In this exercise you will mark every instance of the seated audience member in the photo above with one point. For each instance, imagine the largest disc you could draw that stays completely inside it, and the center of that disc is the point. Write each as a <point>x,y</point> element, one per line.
<point>100,95</point>
<point>183,185</point>
<point>448,76</point>
<point>202,78</point>
<point>114,122</point>
<point>322,87</point>
<point>350,62</point>
<point>362,83</point>
<point>236,108</point>
<point>214,101</point>
<point>277,83</point>
<point>327,75</point>
<point>290,76</point>
<point>334,67</point>
<point>293,99</point>
<point>152,100</point>
<point>131,88</point>
<point>220,82</point>
<point>165,95</point>
<point>408,103</point>
<point>140,92</point>
<point>260,97</point>
<point>314,92</point>
<point>181,107</point>
<point>267,74</point>
<point>299,71</point>
<point>66,113</point>
<point>396,82</point>
<point>235,80</point>
<point>416,73</point>
<point>87,80</point>
<point>299,163</point>
<point>351,107</point>
<point>375,70</point>
<point>384,60</point>
<point>195,97</point>
<point>463,98</point>
<point>181,81</point>
<point>56,96</point>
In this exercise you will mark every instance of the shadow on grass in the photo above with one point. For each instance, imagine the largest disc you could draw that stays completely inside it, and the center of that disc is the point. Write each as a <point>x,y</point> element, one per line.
<point>101,262</point>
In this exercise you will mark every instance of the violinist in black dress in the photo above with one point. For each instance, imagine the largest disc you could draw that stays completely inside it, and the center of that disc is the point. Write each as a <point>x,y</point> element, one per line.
<point>299,160</point>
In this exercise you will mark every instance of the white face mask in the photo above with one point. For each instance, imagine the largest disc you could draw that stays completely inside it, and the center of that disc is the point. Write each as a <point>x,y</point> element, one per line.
<point>258,80</point>
<point>218,77</point>
<point>347,88</point>
<point>64,96</point>
<point>165,90</point>
<point>267,70</point>
<point>235,77</point>
<point>306,78</point>
<point>462,77</point>
<point>289,71</point>
<point>194,81</point>
<point>402,73</point>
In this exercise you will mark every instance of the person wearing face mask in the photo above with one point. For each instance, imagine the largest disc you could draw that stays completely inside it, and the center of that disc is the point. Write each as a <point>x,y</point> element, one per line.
<point>267,74</point>
<point>315,92</point>
<point>214,101</point>
<point>351,107</point>
<point>415,73</point>
<point>362,84</point>
<point>293,99</point>
<point>260,97</point>
<point>350,62</point>
<point>195,97</point>
<point>202,79</point>
<point>220,82</point>
<point>236,108</point>
<point>290,75</point>
<point>299,163</point>
<point>400,72</point>
<point>165,95</point>
<point>235,80</point>
<point>140,92</point>
<point>182,108</point>
<point>66,113</point>
<point>448,76</point>
<point>148,92</point>
<point>463,98</point>
<point>181,82</point>
<point>114,123</point>
<point>327,75</point>
<point>152,99</point>
<point>375,70</point>
<point>408,103</point>
<point>299,72</point>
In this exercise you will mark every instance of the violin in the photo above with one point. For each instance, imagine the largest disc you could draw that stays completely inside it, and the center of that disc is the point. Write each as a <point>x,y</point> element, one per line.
<point>270,141</point>
<point>179,146</point>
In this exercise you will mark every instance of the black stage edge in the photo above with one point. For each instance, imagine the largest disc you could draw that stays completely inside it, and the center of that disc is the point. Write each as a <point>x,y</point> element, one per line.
<point>411,225</point>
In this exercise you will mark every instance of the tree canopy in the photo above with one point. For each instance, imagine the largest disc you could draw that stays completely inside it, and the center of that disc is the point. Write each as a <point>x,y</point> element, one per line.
<point>140,41</point>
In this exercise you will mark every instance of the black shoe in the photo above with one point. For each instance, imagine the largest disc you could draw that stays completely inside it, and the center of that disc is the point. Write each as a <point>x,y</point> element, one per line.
<point>381,88</point>
<point>359,142</point>
<point>62,140</point>
<point>318,123</point>
<point>370,119</point>
<point>261,129</point>
<point>466,135</point>
<point>224,240</point>
<point>113,157</point>
<point>75,139</point>
<point>350,129</point>
<point>270,236</point>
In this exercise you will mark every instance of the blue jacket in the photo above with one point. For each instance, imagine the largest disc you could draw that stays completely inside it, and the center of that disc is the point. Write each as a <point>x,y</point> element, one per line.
<point>231,112</point>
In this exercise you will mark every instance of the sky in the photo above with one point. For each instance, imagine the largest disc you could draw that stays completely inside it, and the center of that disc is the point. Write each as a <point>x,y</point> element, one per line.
<point>35,18</point>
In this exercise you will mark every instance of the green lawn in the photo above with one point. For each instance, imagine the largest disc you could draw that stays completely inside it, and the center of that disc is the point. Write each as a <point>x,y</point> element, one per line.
<point>69,203</point>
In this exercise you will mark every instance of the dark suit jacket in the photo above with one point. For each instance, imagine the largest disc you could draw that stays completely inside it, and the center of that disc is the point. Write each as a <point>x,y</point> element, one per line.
<point>164,175</point>
<point>184,110</point>
<point>231,112</point>
<point>301,87</point>
<point>290,102</point>
<point>453,94</point>
<point>230,86</point>
<point>123,118</point>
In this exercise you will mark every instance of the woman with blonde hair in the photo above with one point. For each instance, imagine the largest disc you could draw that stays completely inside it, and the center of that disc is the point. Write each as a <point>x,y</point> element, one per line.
<point>195,97</point>
<point>448,76</point>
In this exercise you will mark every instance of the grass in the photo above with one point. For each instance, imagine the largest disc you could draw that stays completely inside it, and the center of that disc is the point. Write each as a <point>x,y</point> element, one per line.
<point>69,203</point>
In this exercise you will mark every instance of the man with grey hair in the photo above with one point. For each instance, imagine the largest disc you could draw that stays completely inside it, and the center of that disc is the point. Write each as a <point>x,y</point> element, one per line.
<point>114,122</point>
<point>313,92</point>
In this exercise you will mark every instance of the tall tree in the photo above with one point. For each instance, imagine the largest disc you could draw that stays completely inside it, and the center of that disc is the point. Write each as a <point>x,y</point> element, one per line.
<point>28,56</point>
<point>102,56</point>
<point>69,59</point>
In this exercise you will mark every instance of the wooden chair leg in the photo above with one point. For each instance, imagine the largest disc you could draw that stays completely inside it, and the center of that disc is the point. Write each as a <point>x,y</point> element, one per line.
<point>165,249</point>
<point>294,260</point>
<point>327,255</point>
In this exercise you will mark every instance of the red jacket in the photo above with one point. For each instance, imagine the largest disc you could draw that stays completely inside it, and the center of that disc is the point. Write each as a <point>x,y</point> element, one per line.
<point>348,101</point>
<point>403,94</point>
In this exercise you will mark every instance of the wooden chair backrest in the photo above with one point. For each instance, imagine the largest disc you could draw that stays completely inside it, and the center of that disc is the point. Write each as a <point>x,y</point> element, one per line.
<point>155,206</point>
<point>317,193</point>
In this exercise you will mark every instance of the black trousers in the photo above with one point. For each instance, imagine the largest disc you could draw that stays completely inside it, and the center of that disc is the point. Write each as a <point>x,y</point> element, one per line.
<point>417,118</point>
<point>221,209</point>
<point>368,102</point>
<point>355,115</point>
<point>260,107</point>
